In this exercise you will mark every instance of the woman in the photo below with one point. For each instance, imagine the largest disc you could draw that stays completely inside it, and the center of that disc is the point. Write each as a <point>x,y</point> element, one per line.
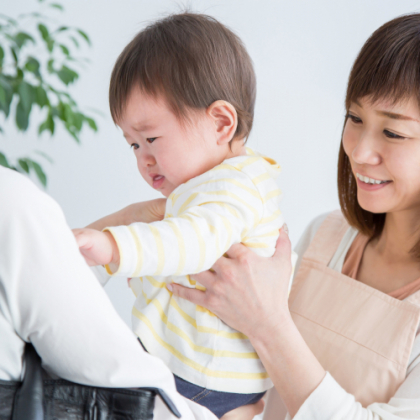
<point>346,344</point>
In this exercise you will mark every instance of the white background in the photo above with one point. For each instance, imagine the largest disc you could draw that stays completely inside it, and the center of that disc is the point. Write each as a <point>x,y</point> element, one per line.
<point>302,50</point>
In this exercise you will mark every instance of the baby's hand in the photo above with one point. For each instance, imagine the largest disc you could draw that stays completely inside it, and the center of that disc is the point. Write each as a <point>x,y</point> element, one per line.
<point>98,248</point>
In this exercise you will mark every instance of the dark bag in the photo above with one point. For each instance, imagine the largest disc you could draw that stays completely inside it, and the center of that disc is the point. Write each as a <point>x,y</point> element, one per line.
<point>40,398</point>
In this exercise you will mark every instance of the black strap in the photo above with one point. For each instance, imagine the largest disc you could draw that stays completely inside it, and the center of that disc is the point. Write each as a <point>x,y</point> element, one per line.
<point>167,401</point>
<point>29,397</point>
<point>28,400</point>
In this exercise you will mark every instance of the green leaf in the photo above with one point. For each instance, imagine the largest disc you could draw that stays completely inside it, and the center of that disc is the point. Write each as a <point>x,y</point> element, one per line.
<point>33,14</point>
<point>21,38</point>
<point>62,28</point>
<point>2,95</point>
<point>44,32</point>
<point>48,124</point>
<point>14,54</point>
<point>50,66</point>
<point>84,35</point>
<point>39,172</point>
<point>67,75</point>
<point>92,123</point>
<point>1,56</point>
<point>75,41</point>
<point>8,19</point>
<point>68,115</point>
<point>23,163</point>
<point>8,90</point>
<point>78,120</point>
<point>44,155</point>
<point>19,75</point>
<point>26,93</point>
<point>50,45</point>
<point>32,65</point>
<point>3,161</point>
<point>74,135</point>
<point>65,50</point>
<point>22,116</point>
<point>59,111</point>
<point>57,6</point>
<point>41,97</point>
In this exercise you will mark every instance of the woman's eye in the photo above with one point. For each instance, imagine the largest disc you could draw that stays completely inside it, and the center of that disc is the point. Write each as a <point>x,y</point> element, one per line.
<point>151,139</point>
<point>353,118</point>
<point>134,146</point>
<point>392,135</point>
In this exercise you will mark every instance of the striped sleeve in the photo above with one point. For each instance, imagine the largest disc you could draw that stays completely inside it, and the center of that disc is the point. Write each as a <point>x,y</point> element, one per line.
<point>203,220</point>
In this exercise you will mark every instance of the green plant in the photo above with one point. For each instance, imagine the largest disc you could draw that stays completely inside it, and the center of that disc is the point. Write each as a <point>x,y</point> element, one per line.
<point>37,65</point>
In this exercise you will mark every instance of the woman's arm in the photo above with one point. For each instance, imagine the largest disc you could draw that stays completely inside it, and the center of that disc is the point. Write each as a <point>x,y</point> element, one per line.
<point>146,212</point>
<point>237,283</point>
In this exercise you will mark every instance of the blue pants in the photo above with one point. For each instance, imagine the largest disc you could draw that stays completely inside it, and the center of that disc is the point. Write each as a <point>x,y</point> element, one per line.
<point>217,402</point>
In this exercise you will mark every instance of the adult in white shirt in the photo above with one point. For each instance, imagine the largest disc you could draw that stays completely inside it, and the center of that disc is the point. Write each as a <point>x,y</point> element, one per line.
<point>346,344</point>
<point>49,297</point>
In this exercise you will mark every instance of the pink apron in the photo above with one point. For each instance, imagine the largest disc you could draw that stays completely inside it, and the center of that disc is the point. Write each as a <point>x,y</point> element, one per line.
<point>362,336</point>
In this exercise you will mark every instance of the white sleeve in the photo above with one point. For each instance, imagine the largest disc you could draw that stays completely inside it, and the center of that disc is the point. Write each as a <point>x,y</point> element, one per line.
<point>330,401</point>
<point>54,301</point>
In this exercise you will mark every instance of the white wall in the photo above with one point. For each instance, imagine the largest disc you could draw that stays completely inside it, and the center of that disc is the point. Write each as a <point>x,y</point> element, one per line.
<point>302,50</point>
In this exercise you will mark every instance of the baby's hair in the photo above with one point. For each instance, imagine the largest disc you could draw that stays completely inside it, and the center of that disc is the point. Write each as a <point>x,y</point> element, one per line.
<point>191,60</point>
<point>387,67</point>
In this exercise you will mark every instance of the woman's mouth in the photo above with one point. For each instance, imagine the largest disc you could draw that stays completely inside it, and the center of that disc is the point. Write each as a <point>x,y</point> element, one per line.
<point>370,184</point>
<point>157,181</point>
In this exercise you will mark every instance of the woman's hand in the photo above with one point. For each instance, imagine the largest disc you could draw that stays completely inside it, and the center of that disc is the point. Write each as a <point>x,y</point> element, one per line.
<point>246,412</point>
<point>246,291</point>
<point>250,294</point>
<point>146,212</point>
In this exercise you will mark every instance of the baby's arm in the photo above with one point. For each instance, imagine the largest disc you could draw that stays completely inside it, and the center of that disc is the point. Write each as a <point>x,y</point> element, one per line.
<point>99,248</point>
<point>209,221</point>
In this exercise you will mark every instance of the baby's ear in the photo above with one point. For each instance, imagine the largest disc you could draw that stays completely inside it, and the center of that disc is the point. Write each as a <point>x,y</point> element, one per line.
<point>225,119</point>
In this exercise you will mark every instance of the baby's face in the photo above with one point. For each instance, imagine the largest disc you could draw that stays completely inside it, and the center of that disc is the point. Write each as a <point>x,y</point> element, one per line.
<point>168,152</point>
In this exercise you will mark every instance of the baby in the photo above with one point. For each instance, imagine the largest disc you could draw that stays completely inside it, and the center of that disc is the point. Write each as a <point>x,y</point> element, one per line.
<point>183,93</point>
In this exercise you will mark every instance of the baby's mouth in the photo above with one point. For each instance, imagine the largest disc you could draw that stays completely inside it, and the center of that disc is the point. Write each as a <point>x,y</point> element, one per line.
<point>158,181</point>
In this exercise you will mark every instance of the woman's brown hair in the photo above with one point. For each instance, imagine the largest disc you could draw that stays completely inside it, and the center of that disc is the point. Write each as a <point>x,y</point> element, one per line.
<point>387,67</point>
<point>191,60</point>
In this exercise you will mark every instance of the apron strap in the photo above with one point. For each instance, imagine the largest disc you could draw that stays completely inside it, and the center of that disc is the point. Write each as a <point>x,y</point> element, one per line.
<point>327,238</point>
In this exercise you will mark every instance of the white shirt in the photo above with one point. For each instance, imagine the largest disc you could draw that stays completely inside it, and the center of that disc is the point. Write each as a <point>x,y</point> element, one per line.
<point>329,401</point>
<point>48,296</point>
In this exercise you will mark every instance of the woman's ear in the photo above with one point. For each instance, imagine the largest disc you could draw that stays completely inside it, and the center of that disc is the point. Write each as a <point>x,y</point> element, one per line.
<point>225,119</point>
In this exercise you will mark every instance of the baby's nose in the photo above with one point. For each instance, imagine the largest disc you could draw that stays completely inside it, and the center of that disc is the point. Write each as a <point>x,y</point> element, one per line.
<point>147,159</point>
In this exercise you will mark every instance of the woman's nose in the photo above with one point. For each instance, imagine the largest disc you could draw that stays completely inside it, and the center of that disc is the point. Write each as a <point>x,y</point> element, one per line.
<point>366,151</point>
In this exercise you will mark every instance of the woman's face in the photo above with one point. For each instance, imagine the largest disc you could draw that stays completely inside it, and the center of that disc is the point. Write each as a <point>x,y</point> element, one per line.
<point>382,141</point>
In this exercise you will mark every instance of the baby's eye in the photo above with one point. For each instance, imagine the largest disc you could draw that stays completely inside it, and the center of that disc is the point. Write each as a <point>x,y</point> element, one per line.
<point>392,135</point>
<point>353,118</point>
<point>151,139</point>
<point>134,146</point>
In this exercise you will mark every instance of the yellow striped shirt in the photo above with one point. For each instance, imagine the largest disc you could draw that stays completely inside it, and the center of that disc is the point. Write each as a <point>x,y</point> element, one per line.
<point>237,201</point>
